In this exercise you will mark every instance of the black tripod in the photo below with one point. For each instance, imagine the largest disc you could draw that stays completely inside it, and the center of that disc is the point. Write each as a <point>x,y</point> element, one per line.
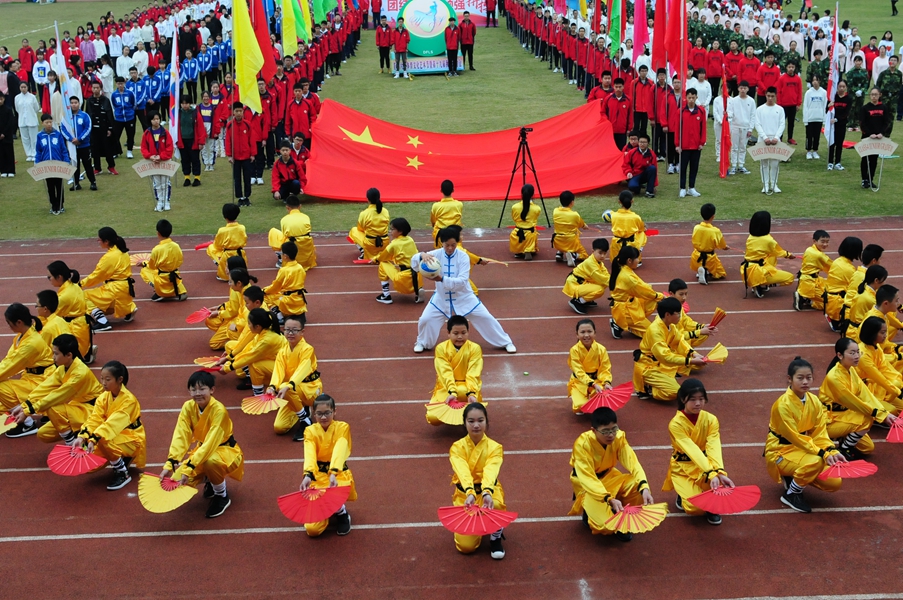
<point>520,162</point>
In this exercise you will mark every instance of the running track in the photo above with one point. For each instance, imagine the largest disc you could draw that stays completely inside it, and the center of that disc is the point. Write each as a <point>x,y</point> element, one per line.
<point>106,543</point>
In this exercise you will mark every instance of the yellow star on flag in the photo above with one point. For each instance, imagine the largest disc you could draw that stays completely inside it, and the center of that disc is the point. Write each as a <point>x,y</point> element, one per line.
<point>413,162</point>
<point>414,141</point>
<point>365,137</point>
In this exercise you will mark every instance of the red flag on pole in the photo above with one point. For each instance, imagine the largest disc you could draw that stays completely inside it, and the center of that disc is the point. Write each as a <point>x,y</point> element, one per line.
<point>640,31</point>
<point>658,35</point>
<point>725,159</point>
<point>597,16</point>
<point>675,36</point>
<point>262,33</point>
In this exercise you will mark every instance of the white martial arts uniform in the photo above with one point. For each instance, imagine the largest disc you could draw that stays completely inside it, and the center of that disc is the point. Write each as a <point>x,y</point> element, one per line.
<point>454,296</point>
<point>741,113</point>
<point>769,125</point>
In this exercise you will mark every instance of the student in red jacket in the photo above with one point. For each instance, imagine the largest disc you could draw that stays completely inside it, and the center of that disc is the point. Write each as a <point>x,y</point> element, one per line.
<point>698,55</point>
<point>288,174</point>
<point>311,97</point>
<point>790,98</point>
<point>749,69</point>
<point>601,91</point>
<point>401,37</point>
<point>262,123</point>
<point>468,34</point>
<point>299,151</point>
<point>384,44</point>
<point>240,149</point>
<point>27,59</point>
<point>691,139</point>
<point>766,77</point>
<point>490,13</point>
<point>643,92</point>
<point>156,145</point>
<point>640,168</point>
<point>452,37</point>
<point>714,68</point>
<point>617,109</point>
<point>298,113</point>
<point>732,69</point>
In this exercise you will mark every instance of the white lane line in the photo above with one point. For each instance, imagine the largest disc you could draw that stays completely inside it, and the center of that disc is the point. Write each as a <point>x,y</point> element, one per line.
<point>895,596</point>
<point>383,526</point>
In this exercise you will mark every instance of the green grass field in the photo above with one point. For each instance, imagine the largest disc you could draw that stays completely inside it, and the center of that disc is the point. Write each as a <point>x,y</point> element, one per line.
<point>508,89</point>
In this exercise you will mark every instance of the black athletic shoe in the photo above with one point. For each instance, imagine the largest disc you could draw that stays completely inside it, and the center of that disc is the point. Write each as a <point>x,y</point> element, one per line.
<point>208,490</point>
<point>496,550</point>
<point>244,384</point>
<point>579,308</point>
<point>713,519</point>
<point>679,504</point>
<point>759,291</point>
<point>156,298</point>
<point>299,433</point>
<point>196,183</point>
<point>119,481</point>
<point>851,453</point>
<point>384,299</point>
<point>624,537</point>
<point>23,430</point>
<point>131,316</point>
<point>796,502</point>
<point>75,188</point>
<point>187,183</point>
<point>343,524</point>
<point>182,297</point>
<point>101,326</point>
<point>93,187</point>
<point>218,505</point>
<point>616,331</point>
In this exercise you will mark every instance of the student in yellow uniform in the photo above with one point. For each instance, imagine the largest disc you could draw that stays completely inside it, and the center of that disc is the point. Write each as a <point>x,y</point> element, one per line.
<point>66,396</point>
<point>372,229</point>
<point>476,461</point>
<point>839,277</point>
<point>447,211</point>
<point>161,270</point>
<point>29,356</point>
<point>296,379</point>
<point>287,291</point>
<point>871,256</point>
<point>590,366</point>
<point>865,302</point>
<point>762,252</point>
<point>567,223</point>
<point>695,333</point>
<point>707,239</point>
<point>887,303</point>
<point>294,228</point>
<point>851,408</point>
<point>627,227</point>
<point>696,464</point>
<point>600,489</point>
<point>633,300</point>
<point>883,381</point>
<point>252,297</point>
<point>327,446</point>
<point>663,353</point>
<point>395,264</point>
<point>113,275</point>
<point>459,369</point>
<point>230,240</point>
<point>222,319</point>
<point>72,307</point>
<point>203,446</point>
<point>52,325</point>
<point>798,448</point>
<point>114,429</point>
<point>588,280</point>
<point>810,291</point>
<point>260,354</point>
<point>523,241</point>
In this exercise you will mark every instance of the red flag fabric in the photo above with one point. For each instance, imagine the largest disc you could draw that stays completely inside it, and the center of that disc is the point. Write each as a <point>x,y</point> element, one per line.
<point>354,152</point>
<point>597,16</point>
<point>658,35</point>
<point>640,31</point>
<point>262,33</point>
<point>725,158</point>
<point>675,36</point>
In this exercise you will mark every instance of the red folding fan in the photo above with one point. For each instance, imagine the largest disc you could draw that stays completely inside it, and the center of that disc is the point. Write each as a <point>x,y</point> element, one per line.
<point>717,317</point>
<point>313,504</point>
<point>139,257</point>
<point>204,245</point>
<point>198,316</point>
<point>638,519</point>
<point>260,405</point>
<point>727,500</point>
<point>7,422</point>
<point>69,462</point>
<point>895,435</point>
<point>474,520</point>
<point>651,232</point>
<point>849,470</point>
<point>614,398</point>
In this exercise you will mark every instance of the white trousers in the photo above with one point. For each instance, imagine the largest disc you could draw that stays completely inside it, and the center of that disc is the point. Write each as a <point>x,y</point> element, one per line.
<point>432,321</point>
<point>769,168</point>
<point>29,139</point>
<point>162,186</point>
<point>717,142</point>
<point>738,146</point>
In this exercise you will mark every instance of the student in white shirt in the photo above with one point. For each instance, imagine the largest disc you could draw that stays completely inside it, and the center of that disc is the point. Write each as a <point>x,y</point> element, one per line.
<point>718,118</point>
<point>770,127</point>
<point>141,59</point>
<point>28,109</point>
<point>815,105</point>
<point>880,64</point>
<point>124,63</point>
<point>741,113</point>
<point>703,89</point>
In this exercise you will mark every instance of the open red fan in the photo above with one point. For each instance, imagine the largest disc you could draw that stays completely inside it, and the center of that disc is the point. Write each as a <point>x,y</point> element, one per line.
<point>361,261</point>
<point>475,520</point>
<point>717,317</point>
<point>638,519</point>
<point>198,316</point>
<point>849,470</point>
<point>259,405</point>
<point>651,232</point>
<point>211,369</point>
<point>313,504</point>
<point>894,436</point>
<point>163,495</point>
<point>614,398</point>
<point>7,422</point>
<point>204,245</point>
<point>207,361</point>
<point>537,228</point>
<point>727,500</point>
<point>70,462</point>
<point>450,413</point>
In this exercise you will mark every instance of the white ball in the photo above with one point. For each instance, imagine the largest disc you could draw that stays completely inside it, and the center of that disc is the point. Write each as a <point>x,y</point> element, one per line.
<point>606,216</point>
<point>430,267</point>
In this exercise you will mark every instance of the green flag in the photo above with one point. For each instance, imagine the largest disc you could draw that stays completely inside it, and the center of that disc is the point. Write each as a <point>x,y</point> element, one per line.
<point>614,26</point>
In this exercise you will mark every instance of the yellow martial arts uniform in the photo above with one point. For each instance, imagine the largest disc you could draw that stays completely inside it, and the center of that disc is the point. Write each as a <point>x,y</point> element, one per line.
<point>475,471</point>
<point>259,356</point>
<point>326,452</point>
<point>690,330</point>
<point>117,288</point>
<point>287,290</point>
<point>228,312</point>
<point>395,265</point>
<point>633,300</point>
<point>883,381</point>
<point>524,237</point>
<point>893,352</point>
<point>627,229</point>
<point>447,211</point>
<point>858,312</point>
<point>216,454</point>
<point>115,428</point>
<point>230,241</point>
<point>66,397</point>
<point>596,479</point>
<point>53,326</point>
<point>853,288</point>
<point>758,266</point>
<point>73,309</point>
<point>589,366</point>
<point>588,280</point>
<point>839,277</point>
<point>567,224</point>
<point>162,269</point>
<point>798,442</point>
<point>696,459</point>
<point>371,231</point>
<point>850,406</point>
<point>663,353</point>
<point>295,227</point>
<point>459,372</point>
<point>30,356</point>
<point>812,285</point>
<point>706,240</point>
<point>297,368</point>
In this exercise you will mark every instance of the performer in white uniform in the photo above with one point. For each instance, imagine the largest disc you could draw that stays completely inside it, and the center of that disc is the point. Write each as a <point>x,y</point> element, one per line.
<point>770,126</point>
<point>741,114</point>
<point>454,296</point>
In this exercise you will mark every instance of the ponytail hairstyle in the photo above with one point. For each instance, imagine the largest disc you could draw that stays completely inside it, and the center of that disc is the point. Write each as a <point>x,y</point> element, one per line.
<point>626,253</point>
<point>60,269</point>
<point>873,273</point>
<point>868,332</point>
<point>840,346</point>
<point>117,370</point>
<point>373,198</point>
<point>262,318</point>
<point>799,363</point>
<point>239,276</point>
<point>626,199</point>
<point>109,235</point>
<point>18,312</point>
<point>526,194</point>
<point>67,343</point>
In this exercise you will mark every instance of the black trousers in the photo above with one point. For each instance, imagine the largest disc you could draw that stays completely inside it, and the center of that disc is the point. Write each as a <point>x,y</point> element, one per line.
<point>83,158</point>
<point>129,127</point>
<point>715,82</point>
<point>640,122</point>
<point>790,115</point>
<point>689,158</point>
<point>259,162</point>
<point>55,193</point>
<point>660,141</point>
<point>191,89</point>
<point>733,87</point>
<point>141,115</point>
<point>620,140</point>
<point>581,74</point>
<point>384,57</point>
<point>271,149</point>
<point>211,77</point>
<point>813,132</point>
<point>241,175</point>
<point>191,159</point>
<point>467,51</point>
<point>452,60</point>
<point>867,167</point>
<point>7,157</point>
<point>288,188</point>
<point>673,157</point>
<point>835,151</point>
<point>101,148</point>
<point>491,18</point>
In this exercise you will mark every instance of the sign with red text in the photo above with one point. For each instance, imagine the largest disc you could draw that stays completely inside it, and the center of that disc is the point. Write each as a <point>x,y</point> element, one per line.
<point>146,168</point>
<point>50,169</point>
<point>875,146</point>
<point>763,151</point>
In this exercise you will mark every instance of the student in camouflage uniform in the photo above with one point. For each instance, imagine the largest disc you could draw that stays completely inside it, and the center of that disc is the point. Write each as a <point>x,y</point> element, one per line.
<point>858,82</point>
<point>818,67</point>
<point>792,56</point>
<point>736,36</point>
<point>890,82</point>
<point>757,43</point>
<point>777,49</point>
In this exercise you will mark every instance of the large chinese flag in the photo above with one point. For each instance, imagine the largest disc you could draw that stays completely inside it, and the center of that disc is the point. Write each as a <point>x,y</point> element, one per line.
<point>353,152</point>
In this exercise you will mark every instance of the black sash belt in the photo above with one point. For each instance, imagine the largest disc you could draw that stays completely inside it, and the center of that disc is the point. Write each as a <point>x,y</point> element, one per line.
<point>522,233</point>
<point>781,439</point>
<point>300,292</point>
<point>626,240</point>
<point>377,239</point>
<point>240,251</point>
<point>312,377</point>
<point>136,424</point>
<point>230,442</point>
<point>129,280</point>
<point>36,370</point>
<point>324,466</point>
<point>704,256</point>
<point>174,278</point>
<point>744,266</point>
<point>598,475</point>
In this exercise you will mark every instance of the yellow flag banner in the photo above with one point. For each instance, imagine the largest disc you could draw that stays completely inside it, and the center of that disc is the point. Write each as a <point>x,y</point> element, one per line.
<point>289,36</point>
<point>248,57</point>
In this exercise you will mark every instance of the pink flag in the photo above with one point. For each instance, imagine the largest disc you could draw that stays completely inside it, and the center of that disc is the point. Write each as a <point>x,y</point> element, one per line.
<point>640,31</point>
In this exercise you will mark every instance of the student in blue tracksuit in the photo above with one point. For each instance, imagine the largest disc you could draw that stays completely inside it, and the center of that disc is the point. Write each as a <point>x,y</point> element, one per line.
<point>163,76</point>
<point>205,64</point>
<point>51,145</point>
<point>154,92</point>
<point>188,76</point>
<point>123,102</point>
<point>222,51</point>
<point>138,87</point>
<point>214,75</point>
<point>81,139</point>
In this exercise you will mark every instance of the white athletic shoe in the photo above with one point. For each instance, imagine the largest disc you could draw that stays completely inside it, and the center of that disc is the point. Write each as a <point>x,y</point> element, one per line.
<point>510,349</point>
<point>418,348</point>
<point>555,70</point>
<point>700,276</point>
<point>815,156</point>
<point>128,154</point>
<point>396,76</point>
<point>694,193</point>
<point>159,207</point>
<point>830,167</point>
<point>838,167</point>
<point>777,190</point>
<point>682,194</point>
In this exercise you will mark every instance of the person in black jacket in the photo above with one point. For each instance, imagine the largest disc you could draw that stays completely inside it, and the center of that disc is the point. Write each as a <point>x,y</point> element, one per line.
<point>875,121</point>
<point>7,132</point>
<point>100,110</point>
<point>843,102</point>
<point>188,40</point>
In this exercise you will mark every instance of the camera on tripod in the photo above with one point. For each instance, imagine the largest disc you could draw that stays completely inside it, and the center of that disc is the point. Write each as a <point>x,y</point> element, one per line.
<point>524,130</point>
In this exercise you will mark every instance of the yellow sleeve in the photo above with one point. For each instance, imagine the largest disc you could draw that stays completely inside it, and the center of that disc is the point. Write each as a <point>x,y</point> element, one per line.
<point>719,240</point>
<point>242,342</point>
<point>825,262</point>
<point>219,242</point>
<point>279,367</point>
<point>689,327</point>
<point>445,374</point>
<point>264,344</point>
<point>776,250</point>
<point>113,425</point>
<point>627,457</point>
<point>474,370</point>
<point>181,441</point>
<point>305,368</point>
<point>341,450</point>
<point>460,465</point>
<point>18,359</point>
<point>663,353</point>
<point>215,434</point>
<point>644,291</point>
<point>604,373</point>
<point>102,271</point>
<point>873,373</point>
<point>577,366</point>
<point>789,432</point>
<point>491,468</point>
<point>55,390</point>
<point>433,213</point>
<point>361,222</point>
<point>278,283</point>
<point>155,257</point>
<point>864,402</point>
<point>310,453</point>
<point>713,448</point>
<point>585,472</point>
<point>96,417</point>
